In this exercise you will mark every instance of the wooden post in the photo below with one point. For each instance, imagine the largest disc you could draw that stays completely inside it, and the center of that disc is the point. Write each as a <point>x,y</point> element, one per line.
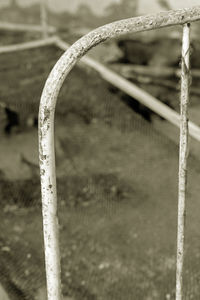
<point>44,18</point>
<point>183,153</point>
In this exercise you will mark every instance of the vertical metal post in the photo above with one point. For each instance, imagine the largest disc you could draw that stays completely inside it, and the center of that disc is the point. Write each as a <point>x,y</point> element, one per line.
<point>183,153</point>
<point>43,18</point>
<point>49,203</point>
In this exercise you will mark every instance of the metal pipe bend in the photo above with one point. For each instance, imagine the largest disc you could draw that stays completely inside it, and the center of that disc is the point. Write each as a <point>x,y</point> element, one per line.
<point>106,32</point>
<point>46,121</point>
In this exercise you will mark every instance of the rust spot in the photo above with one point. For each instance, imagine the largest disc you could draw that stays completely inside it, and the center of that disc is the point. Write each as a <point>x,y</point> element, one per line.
<point>40,131</point>
<point>50,186</point>
<point>43,157</point>
<point>42,172</point>
<point>46,114</point>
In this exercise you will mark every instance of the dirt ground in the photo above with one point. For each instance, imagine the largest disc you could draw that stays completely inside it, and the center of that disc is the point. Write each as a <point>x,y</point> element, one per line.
<point>117,192</point>
<point>117,195</point>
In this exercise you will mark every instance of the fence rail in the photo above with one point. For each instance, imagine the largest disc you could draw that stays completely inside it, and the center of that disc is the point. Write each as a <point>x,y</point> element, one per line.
<point>116,80</point>
<point>46,131</point>
<point>137,93</point>
<point>28,45</point>
<point>25,27</point>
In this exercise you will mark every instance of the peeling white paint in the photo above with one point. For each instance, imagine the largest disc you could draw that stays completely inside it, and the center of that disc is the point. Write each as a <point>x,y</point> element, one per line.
<point>46,122</point>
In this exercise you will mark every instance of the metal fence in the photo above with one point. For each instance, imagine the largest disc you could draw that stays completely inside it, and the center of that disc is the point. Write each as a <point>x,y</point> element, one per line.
<point>47,109</point>
<point>46,131</point>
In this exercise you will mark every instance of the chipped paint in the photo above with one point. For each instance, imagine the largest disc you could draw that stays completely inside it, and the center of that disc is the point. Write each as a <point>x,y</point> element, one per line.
<point>46,115</point>
<point>183,154</point>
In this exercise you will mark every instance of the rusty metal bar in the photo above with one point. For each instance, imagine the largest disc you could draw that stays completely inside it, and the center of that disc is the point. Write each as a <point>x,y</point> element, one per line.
<point>183,153</point>
<point>46,122</point>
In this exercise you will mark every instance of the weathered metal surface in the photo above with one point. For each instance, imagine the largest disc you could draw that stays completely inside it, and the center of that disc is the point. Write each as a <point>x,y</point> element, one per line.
<point>46,122</point>
<point>183,153</point>
<point>134,91</point>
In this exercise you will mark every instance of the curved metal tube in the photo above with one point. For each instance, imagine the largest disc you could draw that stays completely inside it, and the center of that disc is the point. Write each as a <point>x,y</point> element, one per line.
<point>46,122</point>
